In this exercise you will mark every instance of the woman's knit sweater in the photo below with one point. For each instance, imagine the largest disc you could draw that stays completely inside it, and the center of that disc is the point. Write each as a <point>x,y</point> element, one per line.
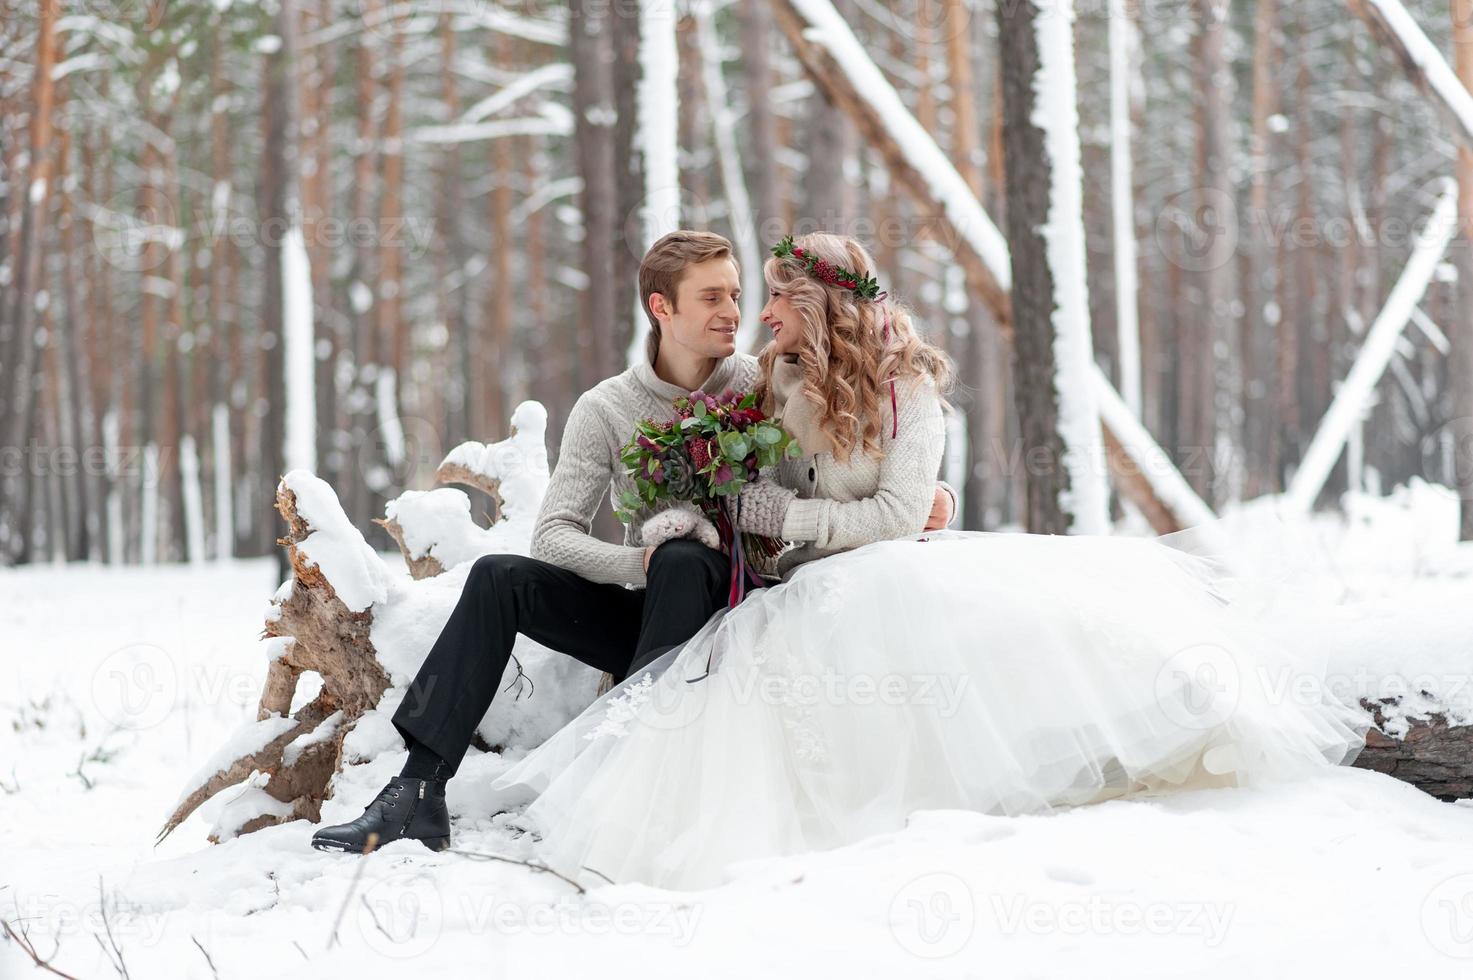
<point>843,505</point>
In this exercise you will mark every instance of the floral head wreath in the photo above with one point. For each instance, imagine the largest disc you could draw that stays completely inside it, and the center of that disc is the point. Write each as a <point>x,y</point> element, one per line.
<point>865,288</point>
<point>834,275</point>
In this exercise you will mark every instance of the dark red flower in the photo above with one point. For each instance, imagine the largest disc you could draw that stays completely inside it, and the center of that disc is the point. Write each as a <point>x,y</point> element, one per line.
<point>700,453</point>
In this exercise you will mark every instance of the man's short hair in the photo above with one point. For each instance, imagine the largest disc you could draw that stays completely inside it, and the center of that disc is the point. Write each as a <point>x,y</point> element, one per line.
<point>664,266</point>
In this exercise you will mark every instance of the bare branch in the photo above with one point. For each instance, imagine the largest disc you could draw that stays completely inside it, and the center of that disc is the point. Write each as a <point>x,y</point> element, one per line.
<point>24,943</point>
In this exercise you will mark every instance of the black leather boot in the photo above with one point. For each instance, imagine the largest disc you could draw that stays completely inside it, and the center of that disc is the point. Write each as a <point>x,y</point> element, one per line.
<point>413,808</point>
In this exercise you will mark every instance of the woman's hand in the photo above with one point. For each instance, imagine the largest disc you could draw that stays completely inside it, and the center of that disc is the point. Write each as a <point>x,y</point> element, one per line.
<point>943,508</point>
<point>763,508</point>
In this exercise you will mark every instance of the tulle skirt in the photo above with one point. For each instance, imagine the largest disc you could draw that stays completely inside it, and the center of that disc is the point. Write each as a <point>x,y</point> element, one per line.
<point>1004,673</point>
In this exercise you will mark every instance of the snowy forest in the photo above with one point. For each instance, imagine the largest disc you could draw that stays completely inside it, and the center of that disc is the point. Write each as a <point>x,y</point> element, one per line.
<point>297,298</point>
<point>349,235</point>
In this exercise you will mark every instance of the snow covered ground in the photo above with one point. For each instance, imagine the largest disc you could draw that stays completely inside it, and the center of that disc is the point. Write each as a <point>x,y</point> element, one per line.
<point>1352,871</point>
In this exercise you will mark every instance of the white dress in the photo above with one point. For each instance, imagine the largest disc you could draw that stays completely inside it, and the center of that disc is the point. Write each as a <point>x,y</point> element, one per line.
<point>1004,673</point>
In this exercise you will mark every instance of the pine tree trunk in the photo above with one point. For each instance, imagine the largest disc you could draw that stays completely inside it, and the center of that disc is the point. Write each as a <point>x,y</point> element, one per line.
<point>593,146</point>
<point>627,243</point>
<point>1259,270</point>
<point>978,351</point>
<point>503,288</point>
<point>278,169</point>
<point>18,367</point>
<point>1059,500</point>
<point>762,168</point>
<point>1460,366</point>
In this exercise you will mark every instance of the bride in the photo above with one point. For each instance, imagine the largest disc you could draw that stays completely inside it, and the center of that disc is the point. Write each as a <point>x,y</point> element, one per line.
<point>889,671</point>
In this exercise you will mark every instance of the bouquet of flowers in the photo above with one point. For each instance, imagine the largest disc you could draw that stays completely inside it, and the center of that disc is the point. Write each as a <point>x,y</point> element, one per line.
<point>704,455</point>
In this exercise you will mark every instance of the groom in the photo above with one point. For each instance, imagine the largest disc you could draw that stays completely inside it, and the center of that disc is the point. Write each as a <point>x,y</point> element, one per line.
<point>615,607</point>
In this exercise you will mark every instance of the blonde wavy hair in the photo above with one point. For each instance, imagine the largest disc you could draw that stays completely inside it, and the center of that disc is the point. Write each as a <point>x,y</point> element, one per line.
<point>845,360</point>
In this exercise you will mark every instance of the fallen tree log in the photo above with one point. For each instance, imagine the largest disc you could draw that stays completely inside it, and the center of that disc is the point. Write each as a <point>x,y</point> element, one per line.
<point>343,617</point>
<point>435,530</point>
<point>1434,755</point>
<point>316,629</point>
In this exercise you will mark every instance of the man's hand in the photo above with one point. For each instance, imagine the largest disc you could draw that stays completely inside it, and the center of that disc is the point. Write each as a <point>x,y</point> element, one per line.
<point>943,507</point>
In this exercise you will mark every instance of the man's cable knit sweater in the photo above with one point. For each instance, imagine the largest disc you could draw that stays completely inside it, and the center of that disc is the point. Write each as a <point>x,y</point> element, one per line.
<point>588,468</point>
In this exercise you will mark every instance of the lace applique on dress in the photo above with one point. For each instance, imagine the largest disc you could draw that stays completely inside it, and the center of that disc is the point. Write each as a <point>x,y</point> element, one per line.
<point>622,708</point>
<point>1116,634</point>
<point>798,684</point>
<point>832,590</point>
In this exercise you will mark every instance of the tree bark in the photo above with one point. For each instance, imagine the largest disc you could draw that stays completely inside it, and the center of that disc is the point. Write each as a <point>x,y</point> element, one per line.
<point>1059,498</point>
<point>762,168</point>
<point>1460,366</point>
<point>279,176</point>
<point>626,246</point>
<point>1214,346</point>
<point>594,148</point>
<point>18,369</point>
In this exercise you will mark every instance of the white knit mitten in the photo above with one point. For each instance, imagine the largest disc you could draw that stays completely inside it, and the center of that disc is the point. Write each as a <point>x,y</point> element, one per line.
<point>764,507</point>
<point>679,520</point>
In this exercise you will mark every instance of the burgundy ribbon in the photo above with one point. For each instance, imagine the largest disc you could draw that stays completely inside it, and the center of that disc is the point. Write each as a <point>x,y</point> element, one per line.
<point>741,572</point>
<point>894,408</point>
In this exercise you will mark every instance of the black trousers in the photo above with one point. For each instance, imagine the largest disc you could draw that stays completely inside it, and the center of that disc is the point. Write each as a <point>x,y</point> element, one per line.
<point>607,627</point>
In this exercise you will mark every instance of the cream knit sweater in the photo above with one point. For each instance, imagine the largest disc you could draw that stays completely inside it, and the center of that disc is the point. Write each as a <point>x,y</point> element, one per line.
<point>847,504</point>
<point>588,468</point>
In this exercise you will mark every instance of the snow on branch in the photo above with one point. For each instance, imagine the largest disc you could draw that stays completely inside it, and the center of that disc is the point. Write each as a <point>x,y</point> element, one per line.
<point>554,121</point>
<point>418,16</point>
<point>1421,60</point>
<point>1134,455</point>
<point>1360,384</point>
<point>555,75</point>
<point>434,529</point>
<point>841,67</point>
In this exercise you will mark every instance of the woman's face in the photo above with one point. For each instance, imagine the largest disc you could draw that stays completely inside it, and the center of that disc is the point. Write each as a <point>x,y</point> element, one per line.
<point>782,317</point>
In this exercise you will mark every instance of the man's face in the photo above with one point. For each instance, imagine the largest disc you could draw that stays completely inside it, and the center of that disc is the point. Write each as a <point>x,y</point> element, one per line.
<point>704,320</point>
